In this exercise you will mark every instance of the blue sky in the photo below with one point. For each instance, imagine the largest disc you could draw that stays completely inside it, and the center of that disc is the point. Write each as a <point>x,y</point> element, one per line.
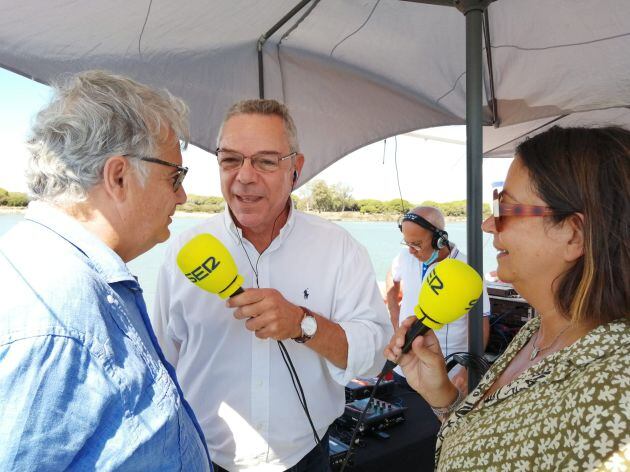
<point>431,164</point>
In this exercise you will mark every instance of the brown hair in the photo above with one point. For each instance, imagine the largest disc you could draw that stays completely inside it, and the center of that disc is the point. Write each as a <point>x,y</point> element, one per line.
<point>261,106</point>
<point>587,170</point>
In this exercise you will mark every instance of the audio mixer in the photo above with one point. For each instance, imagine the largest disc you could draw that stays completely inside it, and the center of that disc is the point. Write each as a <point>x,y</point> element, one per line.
<point>380,415</point>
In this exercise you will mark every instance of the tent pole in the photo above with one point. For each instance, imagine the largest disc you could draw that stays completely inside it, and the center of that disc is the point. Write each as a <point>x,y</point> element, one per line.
<point>263,39</point>
<point>474,11</point>
<point>474,169</point>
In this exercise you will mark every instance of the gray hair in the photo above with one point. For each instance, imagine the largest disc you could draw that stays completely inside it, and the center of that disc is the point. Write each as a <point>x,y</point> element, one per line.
<point>91,117</point>
<point>431,214</point>
<point>268,107</point>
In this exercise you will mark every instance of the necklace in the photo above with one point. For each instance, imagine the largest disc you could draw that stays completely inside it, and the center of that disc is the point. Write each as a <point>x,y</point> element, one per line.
<point>538,350</point>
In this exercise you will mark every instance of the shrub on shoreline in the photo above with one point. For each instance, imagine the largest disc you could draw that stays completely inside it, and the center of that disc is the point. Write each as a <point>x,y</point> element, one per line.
<point>13,199</point>
<point>353,209</point>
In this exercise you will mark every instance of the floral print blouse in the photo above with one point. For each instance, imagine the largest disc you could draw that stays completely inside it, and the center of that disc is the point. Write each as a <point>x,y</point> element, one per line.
<point>569,412</point>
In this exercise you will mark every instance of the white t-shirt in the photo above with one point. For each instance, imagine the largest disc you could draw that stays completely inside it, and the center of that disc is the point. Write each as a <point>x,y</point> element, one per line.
<point>407,270</point>
<point>239,385</point>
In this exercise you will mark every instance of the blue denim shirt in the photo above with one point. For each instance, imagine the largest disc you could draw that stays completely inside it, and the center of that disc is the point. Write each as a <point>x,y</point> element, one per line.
<point>82,382</point>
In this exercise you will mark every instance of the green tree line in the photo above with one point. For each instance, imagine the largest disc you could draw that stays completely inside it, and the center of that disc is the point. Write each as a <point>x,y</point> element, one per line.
<point>197,203</point>
<point>13,199</point>
<point>317,196</point>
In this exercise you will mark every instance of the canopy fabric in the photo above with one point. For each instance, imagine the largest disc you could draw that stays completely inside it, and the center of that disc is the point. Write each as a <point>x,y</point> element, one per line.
<point>501,142</point>
<point>352,71</point>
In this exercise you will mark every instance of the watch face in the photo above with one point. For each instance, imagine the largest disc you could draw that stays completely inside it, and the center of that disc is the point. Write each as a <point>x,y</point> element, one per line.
<point>309,325</point>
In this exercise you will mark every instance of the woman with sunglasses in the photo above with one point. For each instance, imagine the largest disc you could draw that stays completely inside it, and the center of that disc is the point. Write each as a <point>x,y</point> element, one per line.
<point>559,397</point>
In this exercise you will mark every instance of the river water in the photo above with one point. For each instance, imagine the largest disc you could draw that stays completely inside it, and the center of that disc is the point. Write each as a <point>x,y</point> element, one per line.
<point>382,240</point>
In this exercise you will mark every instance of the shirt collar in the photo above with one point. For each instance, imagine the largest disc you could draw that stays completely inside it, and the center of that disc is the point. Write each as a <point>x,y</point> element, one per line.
<point>104,260</point>
<point>453,252</point>
<point>236,233</point>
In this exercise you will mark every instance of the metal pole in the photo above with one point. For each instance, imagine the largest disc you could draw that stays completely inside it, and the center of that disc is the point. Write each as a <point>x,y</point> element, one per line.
<point>263,39</point>
<point>474,175</point>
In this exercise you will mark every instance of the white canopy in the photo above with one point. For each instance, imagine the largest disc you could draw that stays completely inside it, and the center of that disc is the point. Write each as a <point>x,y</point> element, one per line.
<point>352,72</point>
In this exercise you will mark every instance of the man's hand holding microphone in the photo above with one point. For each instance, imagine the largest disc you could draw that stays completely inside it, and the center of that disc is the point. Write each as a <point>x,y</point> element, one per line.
<point>207,263</point>
<point>267,313</point>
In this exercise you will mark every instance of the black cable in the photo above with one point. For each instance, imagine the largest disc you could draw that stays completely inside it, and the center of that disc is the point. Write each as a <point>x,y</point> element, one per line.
<point>466,359</point>
<point>295,379</point>
<point>356,30</point>
<point>146,18</point>
<point>469,360</point>
<point>301,396</point>
<point>402,202</point>
<point>502,315</point>
<point>359,422</point>
<point>502,347</point>
<point>384,150</point>
<point>273,227</point>
<point>255,271</point>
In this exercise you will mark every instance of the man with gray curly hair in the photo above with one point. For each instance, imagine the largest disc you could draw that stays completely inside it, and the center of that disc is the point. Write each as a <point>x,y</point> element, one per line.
<point>83,381</point>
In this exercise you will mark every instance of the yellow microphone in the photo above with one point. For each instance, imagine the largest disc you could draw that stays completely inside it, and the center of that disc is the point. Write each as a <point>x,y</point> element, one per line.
<point>448,292</point>
<point>207,263</point>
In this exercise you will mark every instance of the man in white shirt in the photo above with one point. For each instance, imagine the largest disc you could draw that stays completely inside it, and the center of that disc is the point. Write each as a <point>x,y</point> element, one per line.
<point>308,284</point>
<point>427,244</point>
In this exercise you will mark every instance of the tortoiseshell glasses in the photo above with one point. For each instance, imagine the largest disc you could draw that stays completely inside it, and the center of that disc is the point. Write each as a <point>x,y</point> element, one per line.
<point>501,210</point>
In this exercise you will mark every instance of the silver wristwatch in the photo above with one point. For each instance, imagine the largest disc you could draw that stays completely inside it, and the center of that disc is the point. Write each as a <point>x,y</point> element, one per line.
<point>308,325</point>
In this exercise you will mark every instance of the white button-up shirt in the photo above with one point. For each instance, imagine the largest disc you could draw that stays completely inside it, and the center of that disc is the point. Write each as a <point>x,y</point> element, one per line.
<point>239,385</point>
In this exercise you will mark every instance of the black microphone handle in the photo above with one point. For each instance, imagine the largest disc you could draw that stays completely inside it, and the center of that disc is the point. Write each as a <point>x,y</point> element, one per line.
<point>417,329</point>
<point>238,291</point>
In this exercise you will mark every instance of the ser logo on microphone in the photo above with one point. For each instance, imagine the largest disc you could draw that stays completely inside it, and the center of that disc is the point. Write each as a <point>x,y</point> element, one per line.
<point>204,270</point>
<point>435,282</point>
<point>471,304</point>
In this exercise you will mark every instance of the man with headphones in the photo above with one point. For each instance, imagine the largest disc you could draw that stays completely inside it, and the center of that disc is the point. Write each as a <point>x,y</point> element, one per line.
<point>426,243</point>
<point>308,285</point>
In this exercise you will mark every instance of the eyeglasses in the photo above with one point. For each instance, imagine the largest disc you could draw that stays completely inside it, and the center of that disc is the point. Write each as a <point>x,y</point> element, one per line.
<point>414,246</point>
<point>180,173</point>
<point>501,210</point>
<point>262,162</point>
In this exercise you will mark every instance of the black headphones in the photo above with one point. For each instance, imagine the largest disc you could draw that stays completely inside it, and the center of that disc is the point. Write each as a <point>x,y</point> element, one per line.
<point>440,237</point>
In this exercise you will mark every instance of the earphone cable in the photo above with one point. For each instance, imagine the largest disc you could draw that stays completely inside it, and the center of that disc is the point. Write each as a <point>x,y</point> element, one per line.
<point>300,392</point>
<point>283,350</point>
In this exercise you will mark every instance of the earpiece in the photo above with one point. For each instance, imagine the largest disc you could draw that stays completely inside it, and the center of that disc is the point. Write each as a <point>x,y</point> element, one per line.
<point>295,176</point>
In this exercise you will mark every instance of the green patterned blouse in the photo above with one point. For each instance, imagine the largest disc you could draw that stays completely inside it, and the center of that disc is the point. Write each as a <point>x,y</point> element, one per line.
<point>569,412</point>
